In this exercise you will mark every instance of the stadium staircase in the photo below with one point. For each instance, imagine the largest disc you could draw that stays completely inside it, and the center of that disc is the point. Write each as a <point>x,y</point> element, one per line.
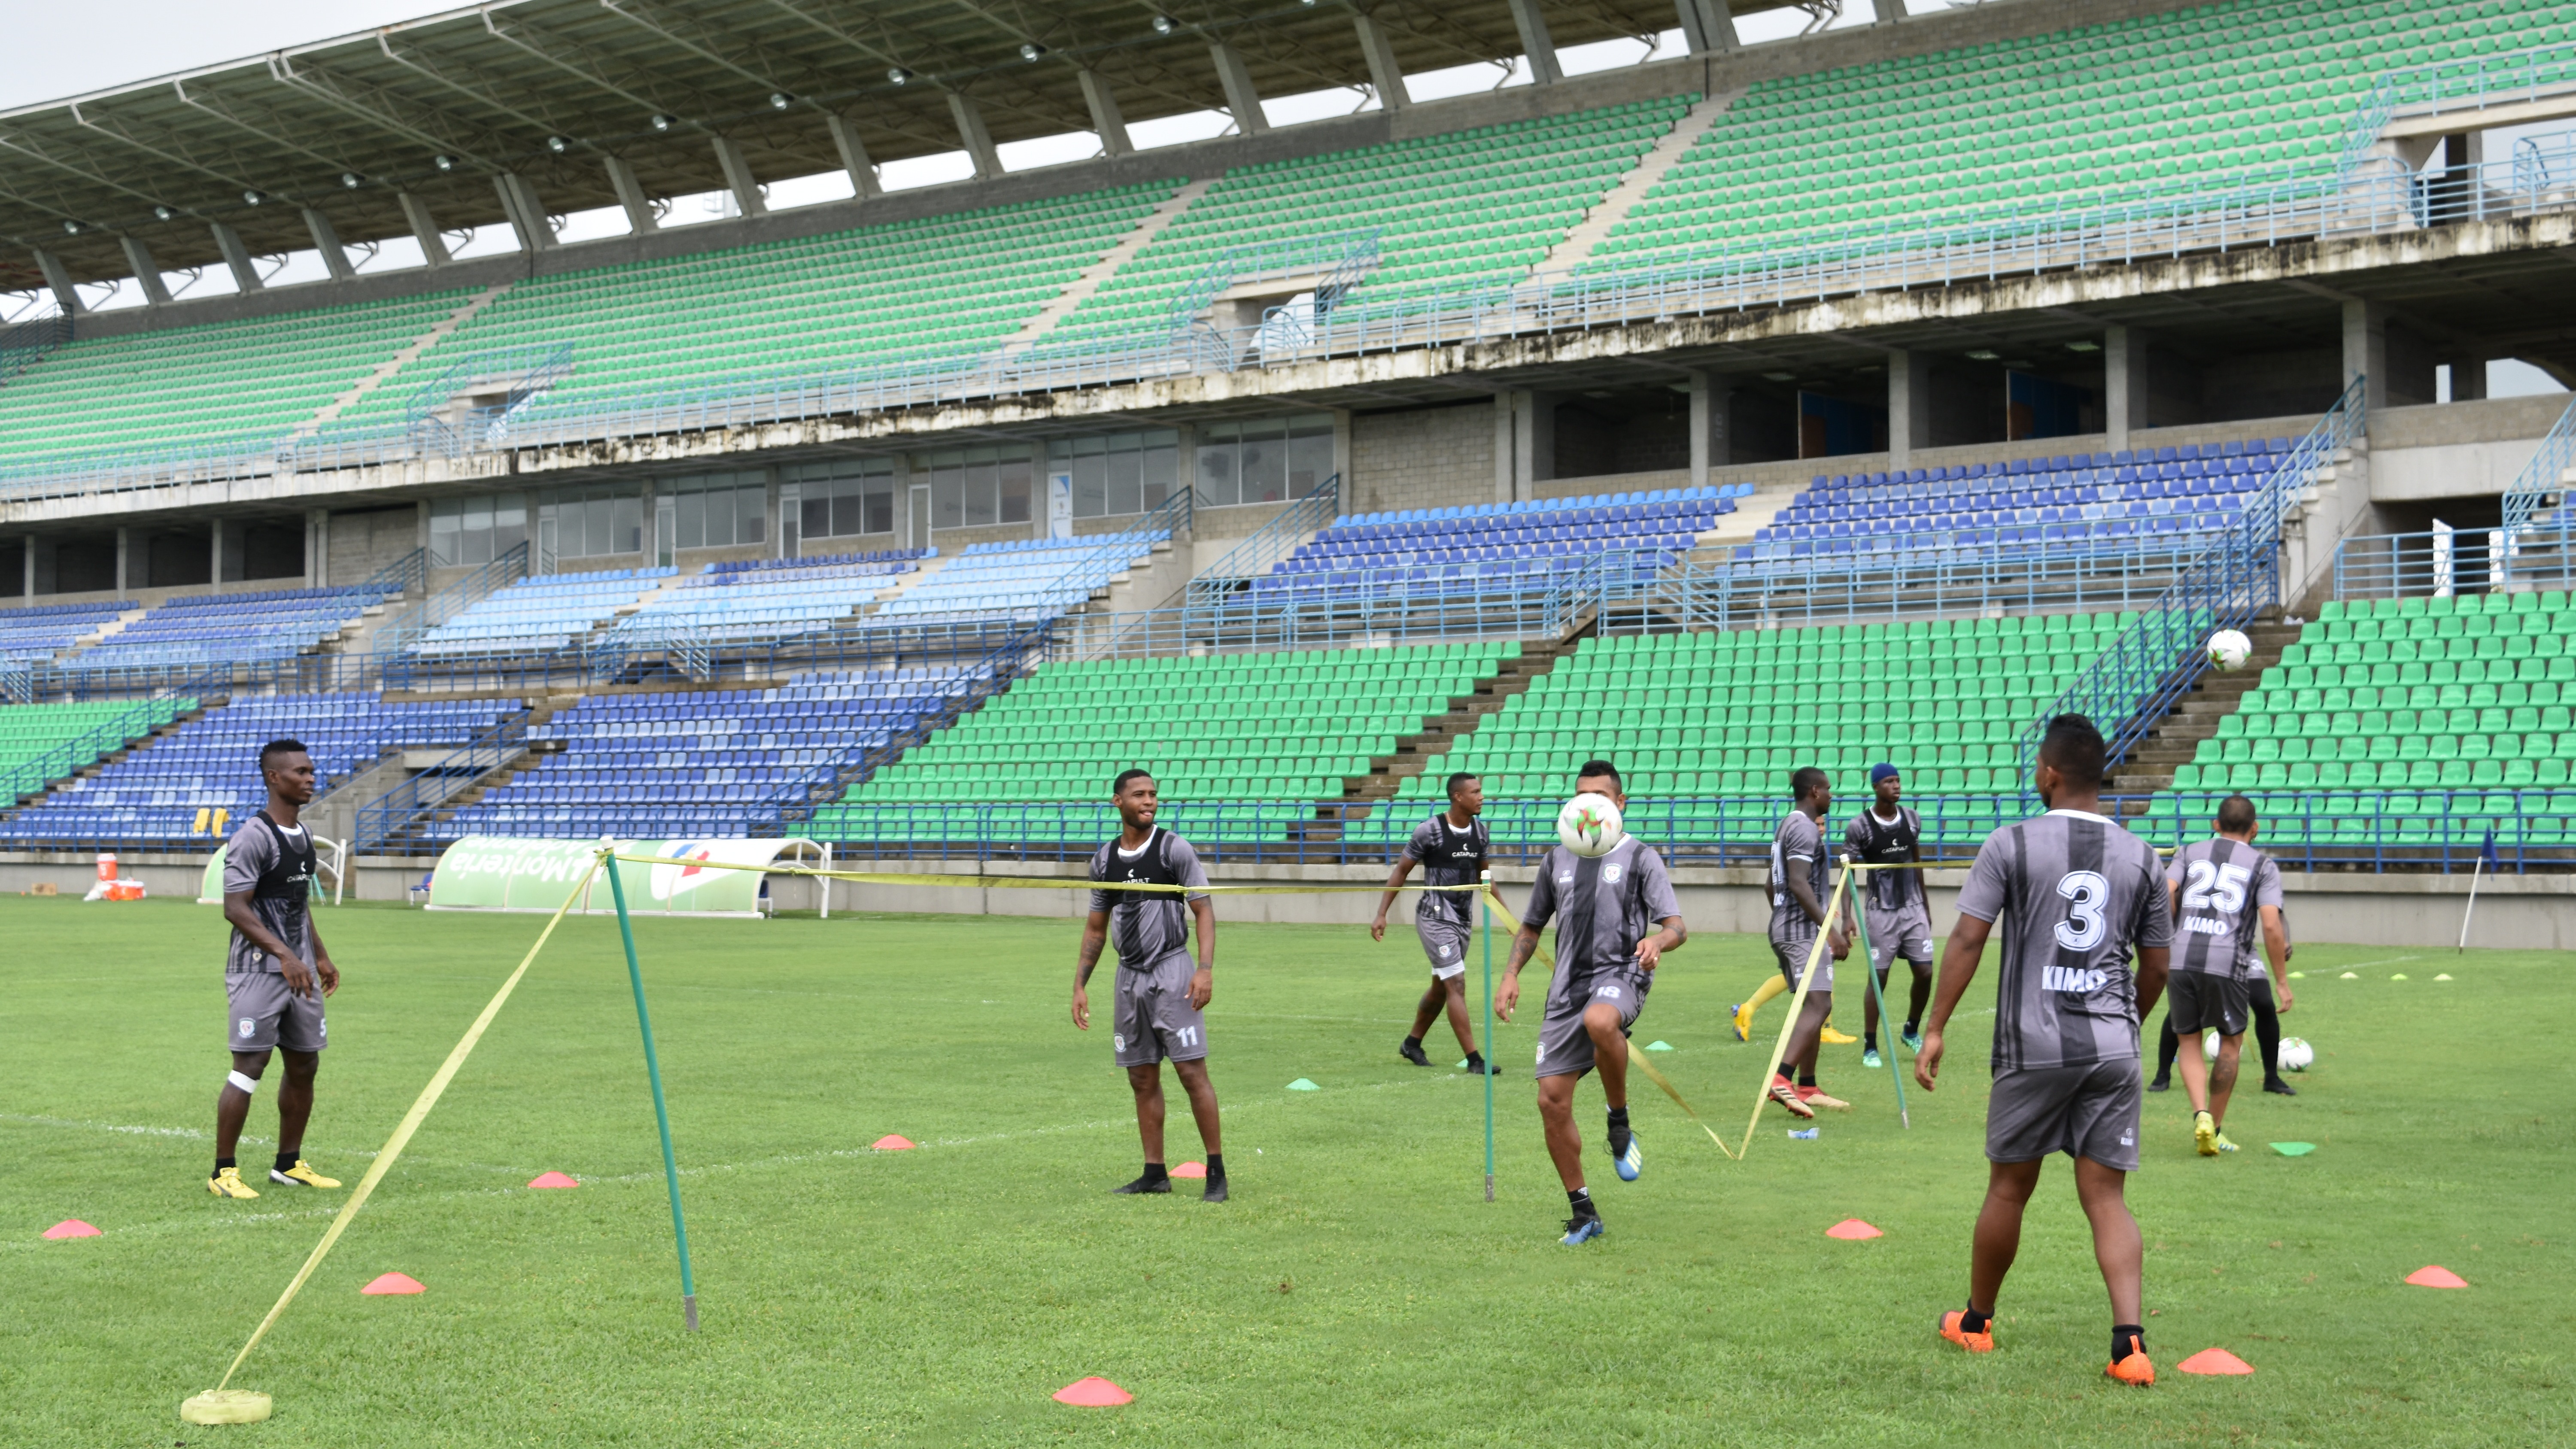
<point>1424,753</point>
<point>1603,218</point>
<point>2197,716</point>
<point>1080,289</point>
<point>331,410</point>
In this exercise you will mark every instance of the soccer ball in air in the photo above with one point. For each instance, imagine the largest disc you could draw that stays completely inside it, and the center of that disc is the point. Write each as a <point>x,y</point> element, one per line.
<point>2228,648</point>
<point>1589,825</point>
<point>2296,1054</point>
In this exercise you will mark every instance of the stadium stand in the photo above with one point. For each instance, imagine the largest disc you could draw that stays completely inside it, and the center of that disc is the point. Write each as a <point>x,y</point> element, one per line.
<point>170,792</point>
<point>765,599</point>
<point>1025,579</point>
<point>1511,546</point>
<point>2258,90</point>
<point>2166,495</point>
<point>41,743</point>
<point>540,613</point>
<point>232,628</point>
<point>1242,727</point>
<point>48,629</point>
<point>1470,207</point>
<point>716,761</point>
<point>182,385</point>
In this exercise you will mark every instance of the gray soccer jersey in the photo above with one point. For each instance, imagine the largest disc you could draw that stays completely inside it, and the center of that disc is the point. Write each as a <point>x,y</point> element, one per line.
<point>274,866</point>
<point>1609,902</point>
<point>1887,842</point>
<point>1449,856</point>
<point>2074,894</point>
<point>2225,884</point>
<point>1146,926</point>
<point>1796,846</point>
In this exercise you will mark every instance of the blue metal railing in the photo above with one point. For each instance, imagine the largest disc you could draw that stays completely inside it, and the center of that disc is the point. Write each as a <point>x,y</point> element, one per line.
<point>393,646</point>
<point>2451,86</point>
<point>391,817</point>
<point>401,577</point>
<point>1267,545</point>
<point>2235,577</point>
<point>31,774</point>
<point>2536,502</point>
<point>1924,583</point>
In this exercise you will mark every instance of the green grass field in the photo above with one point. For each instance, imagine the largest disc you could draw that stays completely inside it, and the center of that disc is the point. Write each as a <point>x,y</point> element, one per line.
<point>1358,1290</point>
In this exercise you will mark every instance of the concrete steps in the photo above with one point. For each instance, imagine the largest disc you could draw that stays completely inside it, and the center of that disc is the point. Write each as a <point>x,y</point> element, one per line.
<point>1614,207</point>
<point>2195,716</point>
<point>1036,328</point>
<point>1420,752</point>
<point>400,360</point>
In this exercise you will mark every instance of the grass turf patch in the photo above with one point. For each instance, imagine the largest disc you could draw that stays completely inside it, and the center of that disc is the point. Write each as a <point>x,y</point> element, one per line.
<point>1357,1290</point>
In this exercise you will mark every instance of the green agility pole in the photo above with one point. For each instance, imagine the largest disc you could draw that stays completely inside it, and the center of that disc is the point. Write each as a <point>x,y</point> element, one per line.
<point>1878,993</point>
<point>1485,929</point>
<point>661,1112</point>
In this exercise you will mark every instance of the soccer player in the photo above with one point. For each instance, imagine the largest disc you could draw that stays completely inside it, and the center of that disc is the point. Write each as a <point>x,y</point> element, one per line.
<point>2266,1012</point>
<point>276,973</point>
<point>1451,848</point>
<point>1898,917</point>
<point>1799,882</point>
<point>2075,894</point>
<point>2224,895</point>
<point>1159,1000</point>
<point>1616,916</point>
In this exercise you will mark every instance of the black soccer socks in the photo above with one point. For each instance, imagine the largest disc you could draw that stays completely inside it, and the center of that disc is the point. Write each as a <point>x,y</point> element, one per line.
<point>1971,1321</point>
<point>2126,1339</point>
<point>1618,1132</point>
<point>287,1160</point>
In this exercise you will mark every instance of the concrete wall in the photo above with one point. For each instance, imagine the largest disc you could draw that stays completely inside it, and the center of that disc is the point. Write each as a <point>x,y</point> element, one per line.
<point>366,542</point>
<point>2456,450</point>
<point>1426,458</point>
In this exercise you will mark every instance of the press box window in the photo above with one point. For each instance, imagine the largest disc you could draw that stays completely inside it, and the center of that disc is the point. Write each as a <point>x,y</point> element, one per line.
<point>841,500</point>
<point>468,531</point>
<point>1119,474</point>
<point>978,487</point>
<point>593,522</point>
<point>719,510</point>
<point>1271,461</point>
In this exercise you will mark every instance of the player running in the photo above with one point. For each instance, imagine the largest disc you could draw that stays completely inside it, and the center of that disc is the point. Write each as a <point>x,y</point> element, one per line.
<point>1616,917</point>
<point>2223,893</point>
<point>1799,882</point>
<point>276,973</point>
<point>1159,1000</point>
<point>1898,917</point>
<point>1451,848</point>
<point>2075,894</point>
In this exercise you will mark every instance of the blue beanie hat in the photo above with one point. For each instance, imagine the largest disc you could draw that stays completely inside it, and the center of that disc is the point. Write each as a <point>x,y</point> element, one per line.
<point>1880,772</point>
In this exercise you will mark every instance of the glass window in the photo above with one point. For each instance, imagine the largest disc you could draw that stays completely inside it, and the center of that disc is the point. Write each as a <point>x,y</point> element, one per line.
<point>1119,474</point>
<point>719,510</point>
<point>477,530</point>
<point>1272,460</point>
<point>844,498</point>
<point>978,487</point>
<point>592,522</point>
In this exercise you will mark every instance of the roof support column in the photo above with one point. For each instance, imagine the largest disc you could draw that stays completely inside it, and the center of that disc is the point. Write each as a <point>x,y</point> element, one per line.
<point>971,130</point>
<point>1106,119</point>
<point>854,156</point>
<point>326,240</point>
<point>1708,26</point>
<point>1535,43</point>
<point>738,178</point>
<point>1241,100</point>
<point>1384,75</point>
<point>66,296</point>
<point>138,255</point>
<point>1711,408</point>
<point>2365,351</point>
<point>424,230</point>
<point>526,212</point>
<point>1909,405</point>
<point>2124,385</point>
<point>1890,11</point>
<point>630,196</point>
<point>246,276</point>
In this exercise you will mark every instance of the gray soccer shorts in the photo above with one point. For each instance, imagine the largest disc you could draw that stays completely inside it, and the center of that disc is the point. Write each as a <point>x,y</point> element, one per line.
<point>1564,1047</point>
<point>1152,1020</point>
<point>1906,932</point>
<point>2088,1111</point>
<point>262,1013</point>
<point>2196,1001</point>
<point>1791,948</point>
<point>1444,945</point>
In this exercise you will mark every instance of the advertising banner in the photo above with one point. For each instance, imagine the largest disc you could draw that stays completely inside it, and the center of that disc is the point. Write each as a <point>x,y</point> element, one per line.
<point>509,873</point>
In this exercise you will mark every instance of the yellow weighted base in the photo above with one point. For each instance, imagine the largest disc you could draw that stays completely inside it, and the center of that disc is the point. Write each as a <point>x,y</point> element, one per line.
<point>225,1406</point>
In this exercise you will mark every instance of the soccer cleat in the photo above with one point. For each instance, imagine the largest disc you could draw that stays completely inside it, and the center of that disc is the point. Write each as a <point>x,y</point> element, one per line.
<point>2161,1084</point>
<point>1631,1163</point>
<point>2224,1145</point>
<point>1787,1096</point>
<point>1831,1037</point>
<point>1815,1097</point>
<point>1215,1190</point>
<point>1869,1057</point>
<point>1743,1023</point>
<point>1412,1052</point>
<point>2279,1088</point>
<point>1980,1342</point>
<point>1582,1229</point>
<point>1143,1184</point>
<point>1913,1039</point>
<point>301,1175</point>
<point>2137,1369</point>
<point>2204,1134</point>
<point>228,1183</point>
<point>1477,1066</point>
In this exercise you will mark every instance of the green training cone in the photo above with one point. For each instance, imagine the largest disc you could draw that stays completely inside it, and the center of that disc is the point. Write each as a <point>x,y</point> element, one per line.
<point>1659,1046</point>
<point>2294,1149</point>
<point>1302,1085</point>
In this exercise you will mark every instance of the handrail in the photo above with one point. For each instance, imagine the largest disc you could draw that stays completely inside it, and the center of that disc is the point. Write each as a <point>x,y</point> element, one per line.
<point>32,774</point>
<point>1281,537</point>
<point>399,578</point>
<point>2452,562</point>
<point>2233,579</point>
<point>394,812</point>
<point>400,636</point>
<point>2541,486</point>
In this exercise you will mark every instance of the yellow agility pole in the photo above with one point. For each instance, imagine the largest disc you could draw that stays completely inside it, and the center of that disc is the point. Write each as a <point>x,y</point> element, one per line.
<point>1039,883</point>
<point>233,1406</point>
<point>1789,1021</point>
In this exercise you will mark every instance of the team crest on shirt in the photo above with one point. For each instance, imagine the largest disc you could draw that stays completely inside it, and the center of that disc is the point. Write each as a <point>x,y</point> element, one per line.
<point>1117,1043</point>
<point>246,1025</point>
<point>1610,874</point>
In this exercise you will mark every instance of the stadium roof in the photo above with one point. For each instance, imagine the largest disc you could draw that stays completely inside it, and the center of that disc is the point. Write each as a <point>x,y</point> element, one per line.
<point>437,108</point>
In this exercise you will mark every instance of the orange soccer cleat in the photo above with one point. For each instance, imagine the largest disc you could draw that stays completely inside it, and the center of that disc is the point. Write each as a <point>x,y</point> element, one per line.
<point>2136,1369</point>
<point>1982,1341</point>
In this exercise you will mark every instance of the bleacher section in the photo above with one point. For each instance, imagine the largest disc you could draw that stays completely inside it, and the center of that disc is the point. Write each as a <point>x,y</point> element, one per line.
<point>717,762</point>
<point>1241,727</point>
<point>1029,579</point>
<point>1513,546</point>
<point>942,287</point>
<point>1456,210</point>
<point>539,613</point>
<point>766,599</point>
<point>2258,89</point>
<point>38,740</point>
<point>48,629</point>
<point>168,793</point>
<point>1707,726</point>
<point>2162,496</point>
<point>109,395</point>
<point>231,628</point>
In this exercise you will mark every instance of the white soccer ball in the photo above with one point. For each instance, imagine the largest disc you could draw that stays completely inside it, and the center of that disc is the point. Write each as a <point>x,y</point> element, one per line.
<point>2296,1054</point>
<point>1589,825</point>
<point>2229,649</point>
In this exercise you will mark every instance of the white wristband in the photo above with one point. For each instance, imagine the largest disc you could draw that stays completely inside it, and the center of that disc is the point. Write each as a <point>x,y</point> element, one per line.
<point>247,1084</point>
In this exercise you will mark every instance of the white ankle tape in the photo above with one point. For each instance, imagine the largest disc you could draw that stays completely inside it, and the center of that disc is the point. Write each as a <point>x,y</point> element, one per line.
<point>247,1084</point>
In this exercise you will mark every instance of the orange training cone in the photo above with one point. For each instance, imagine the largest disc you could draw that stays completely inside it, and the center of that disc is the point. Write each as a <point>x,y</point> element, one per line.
<point>1093,1393</point>
<point>2436,1276</point>
<point>552,1179</point>
<point>394,1283</point>
<point>2215,1361</point>
<point>1190,1169</point>
<point>892,1143</point>
<point>71,1228</point>
<point>1853,1229</point>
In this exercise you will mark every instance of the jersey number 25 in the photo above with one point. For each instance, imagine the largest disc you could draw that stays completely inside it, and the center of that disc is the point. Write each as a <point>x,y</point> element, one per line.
<point>2208,884</point>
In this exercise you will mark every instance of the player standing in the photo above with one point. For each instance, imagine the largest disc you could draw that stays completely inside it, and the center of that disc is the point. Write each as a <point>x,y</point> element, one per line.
<point>1451,847</point>
<point>276,973</point>
<point>2259,1003</point>
<point>1799,882</point>
<point>1616,915</point>
<point>1159,1001</point>
<point>2075,894</point>
<point>2224,894</point>
<point>1896,912</point>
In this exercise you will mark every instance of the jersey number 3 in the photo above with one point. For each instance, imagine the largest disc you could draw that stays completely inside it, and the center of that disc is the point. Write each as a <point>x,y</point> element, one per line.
<point>2087,894</point>
<point>2209,885</point>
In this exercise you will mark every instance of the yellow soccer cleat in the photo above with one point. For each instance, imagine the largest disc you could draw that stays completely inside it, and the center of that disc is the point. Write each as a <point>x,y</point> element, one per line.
<point>2204,1134</point>
<point>301,1175</point>
<point>1744,1022</point>
<point>228,1183</point>
<point>2224,1145</point>
<point>1831,1037</point>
